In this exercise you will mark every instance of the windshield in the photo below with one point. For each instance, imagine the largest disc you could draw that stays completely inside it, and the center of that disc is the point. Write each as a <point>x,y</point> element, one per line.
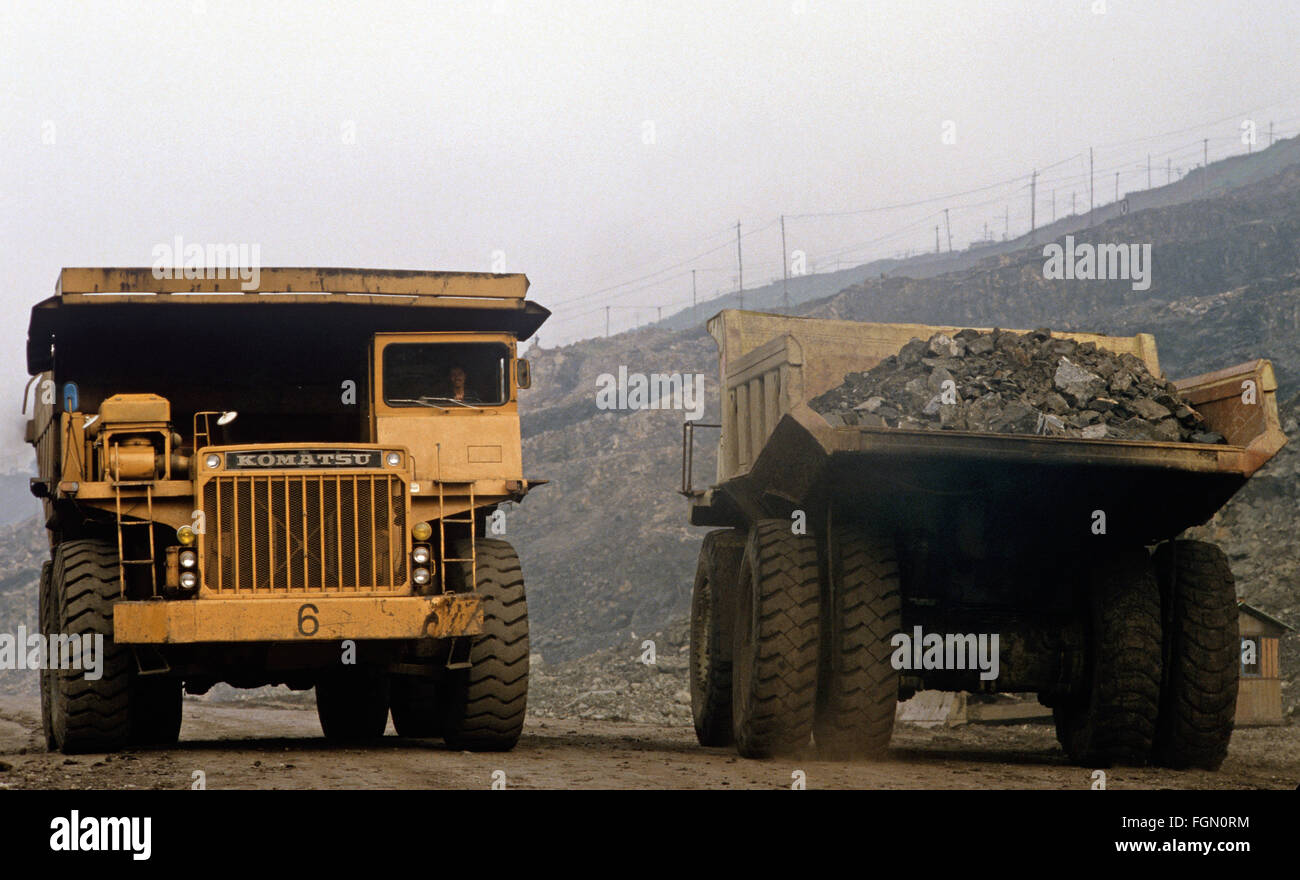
<point>445,374</point>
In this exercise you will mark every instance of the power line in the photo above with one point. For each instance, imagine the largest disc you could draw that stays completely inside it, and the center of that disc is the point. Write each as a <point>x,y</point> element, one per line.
<point>660,277</point>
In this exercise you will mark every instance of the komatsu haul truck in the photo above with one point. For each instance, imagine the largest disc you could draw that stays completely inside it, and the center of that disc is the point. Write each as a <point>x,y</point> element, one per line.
<point>290,484</point>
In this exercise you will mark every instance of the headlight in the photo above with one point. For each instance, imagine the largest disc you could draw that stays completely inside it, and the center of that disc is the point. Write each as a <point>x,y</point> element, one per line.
<point>421,531</point>
<point>393,459</point>
<point>420,576</point>
<point>185,535</point>
<point>189,559</point>
<point>420,555</point>
<point>213,461</point>
<point>189,580</point>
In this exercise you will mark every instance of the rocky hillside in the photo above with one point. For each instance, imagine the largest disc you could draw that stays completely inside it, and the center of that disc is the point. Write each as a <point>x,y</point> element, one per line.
<point>25,548</point>
<point>1223,277</point>
<point>605,546</point>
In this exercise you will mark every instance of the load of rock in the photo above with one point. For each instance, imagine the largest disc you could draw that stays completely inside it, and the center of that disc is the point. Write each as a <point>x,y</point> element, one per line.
<point>1010,383</point>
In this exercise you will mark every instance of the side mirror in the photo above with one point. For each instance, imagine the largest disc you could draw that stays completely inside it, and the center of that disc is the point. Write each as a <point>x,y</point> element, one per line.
<point>523,374</point>
<point>227,417</point>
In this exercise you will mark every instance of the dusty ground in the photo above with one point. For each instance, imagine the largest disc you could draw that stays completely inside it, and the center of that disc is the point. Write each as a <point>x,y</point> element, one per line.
<point>280,746</point>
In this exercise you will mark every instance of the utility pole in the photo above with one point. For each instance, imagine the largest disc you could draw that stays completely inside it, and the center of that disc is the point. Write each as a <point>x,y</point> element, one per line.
<point>740,267</point>
<point>606,322</point>
<point>1006,223</point>
<point>1270,133</point>
<point>785,272</point>
<point>1148,171</point>
<point>692,288</point>
<point>1091,200</point>
<point>661,313</point>
<point>949,228</point>
<point>1205,166</point>
<point>1117,186</point>
<point>1033,203</point>
<point>1072,195</point>
<point>936,238</point>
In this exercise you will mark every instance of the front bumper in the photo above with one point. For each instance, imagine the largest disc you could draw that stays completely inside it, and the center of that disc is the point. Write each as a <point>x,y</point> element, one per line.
<point>302,618</point>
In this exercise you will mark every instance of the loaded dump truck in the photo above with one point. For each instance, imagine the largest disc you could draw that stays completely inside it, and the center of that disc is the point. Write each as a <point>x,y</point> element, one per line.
<point>851,566</point>
<point>290,484</point>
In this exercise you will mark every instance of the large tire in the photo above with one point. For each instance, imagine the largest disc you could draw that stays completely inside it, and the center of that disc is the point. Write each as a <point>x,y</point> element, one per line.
<point>85,715</point>
<point>774,652</point>
<point>710,658</point>
<point>857,688</point>
<point>415,707</point>
<point>46,602</point>
<point>486,703</point>
<point>1198,701</point>
<point>1113,721</point>
<point>352,702</point>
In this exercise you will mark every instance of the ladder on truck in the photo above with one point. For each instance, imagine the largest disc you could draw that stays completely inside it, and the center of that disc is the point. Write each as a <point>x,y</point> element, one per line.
<point>456,659</point>
<point>443,521</point>
<point>123,525</point>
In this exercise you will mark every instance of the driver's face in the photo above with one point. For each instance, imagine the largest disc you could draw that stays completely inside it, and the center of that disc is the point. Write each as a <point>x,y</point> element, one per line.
<point>458,380</point>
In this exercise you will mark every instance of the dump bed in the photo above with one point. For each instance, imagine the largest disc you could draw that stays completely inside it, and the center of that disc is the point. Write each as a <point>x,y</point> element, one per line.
<point>94,308</point>
<point>776,454</point>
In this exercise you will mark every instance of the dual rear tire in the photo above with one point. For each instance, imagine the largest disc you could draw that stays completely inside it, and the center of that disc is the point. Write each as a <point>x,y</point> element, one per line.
<point>1112,720</point>
<point>801,659</point>
<point>1161,685</point>
<point>1201,656</point>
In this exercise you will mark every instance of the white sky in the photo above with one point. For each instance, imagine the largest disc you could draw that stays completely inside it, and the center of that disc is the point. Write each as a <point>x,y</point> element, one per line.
<point>522,128</point>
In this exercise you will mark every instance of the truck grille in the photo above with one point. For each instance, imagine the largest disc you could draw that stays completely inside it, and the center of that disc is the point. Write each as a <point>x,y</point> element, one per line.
<point>308,533</point>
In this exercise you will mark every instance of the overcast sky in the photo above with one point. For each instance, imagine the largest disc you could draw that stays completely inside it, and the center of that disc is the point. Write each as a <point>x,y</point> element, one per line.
<point>591,145</point>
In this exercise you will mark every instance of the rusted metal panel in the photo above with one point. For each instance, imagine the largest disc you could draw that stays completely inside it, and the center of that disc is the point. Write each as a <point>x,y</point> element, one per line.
<point>1240,403</point>
<point>297,619</point>
<point>384,282</point>
<point>1259,702</point>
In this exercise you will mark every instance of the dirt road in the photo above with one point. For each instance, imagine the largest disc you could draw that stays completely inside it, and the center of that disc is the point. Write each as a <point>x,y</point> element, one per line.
<point>280,746</point>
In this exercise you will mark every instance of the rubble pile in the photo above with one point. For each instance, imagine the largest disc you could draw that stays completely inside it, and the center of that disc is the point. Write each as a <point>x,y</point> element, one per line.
<point>642,679</point>
<point>1009,383</point>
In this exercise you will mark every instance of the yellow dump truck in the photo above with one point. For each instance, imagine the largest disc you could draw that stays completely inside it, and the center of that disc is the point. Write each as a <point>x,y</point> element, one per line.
<point>843,554</point>
<point>294,482</point>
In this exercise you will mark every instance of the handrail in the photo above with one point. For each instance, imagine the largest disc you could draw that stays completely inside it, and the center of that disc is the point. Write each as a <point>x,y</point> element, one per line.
<point>688,456</point>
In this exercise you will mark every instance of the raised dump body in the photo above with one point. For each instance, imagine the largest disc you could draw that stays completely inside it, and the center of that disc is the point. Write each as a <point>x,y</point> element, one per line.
<point>1034,539</point>
<point>287,480</point>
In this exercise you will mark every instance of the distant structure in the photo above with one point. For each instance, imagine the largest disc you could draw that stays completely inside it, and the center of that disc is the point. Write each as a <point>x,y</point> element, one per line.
<point>1259,696</point>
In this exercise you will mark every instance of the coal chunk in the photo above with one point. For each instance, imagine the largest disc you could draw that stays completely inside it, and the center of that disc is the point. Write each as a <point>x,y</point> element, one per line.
<point>1011,383</point>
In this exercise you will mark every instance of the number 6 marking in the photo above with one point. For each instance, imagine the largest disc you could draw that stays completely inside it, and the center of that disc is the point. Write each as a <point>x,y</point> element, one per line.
<point>304,618</point>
